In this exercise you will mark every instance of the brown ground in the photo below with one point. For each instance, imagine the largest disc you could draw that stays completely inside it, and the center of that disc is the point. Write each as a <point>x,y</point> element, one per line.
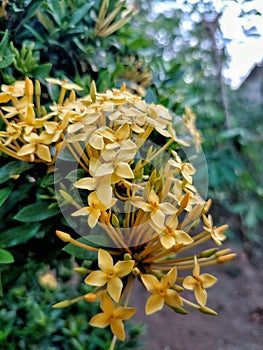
<point>238,299</point>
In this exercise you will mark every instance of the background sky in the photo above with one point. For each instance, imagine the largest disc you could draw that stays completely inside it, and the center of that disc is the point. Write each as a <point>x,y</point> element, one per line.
<point>244,50</point>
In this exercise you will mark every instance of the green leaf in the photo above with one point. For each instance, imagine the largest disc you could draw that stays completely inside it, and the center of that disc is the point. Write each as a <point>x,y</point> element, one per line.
<point>42,71</point>
<point>6,257</point>
<point>80,13</point>
<point>4,42</point>
<point>18,235</point>
<point>80,253</point>
<point>7,61</point>
<point>1,286</point>
<point>36,212</point>
<point>13,168</point>
<point>4,194</point>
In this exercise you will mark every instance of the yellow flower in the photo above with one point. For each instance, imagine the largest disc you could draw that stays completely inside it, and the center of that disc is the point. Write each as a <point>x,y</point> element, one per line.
<point>216,232</point>
<point>64,84</point>
<point>93,211</point>
<point>110,274</point>
<point>112,317</point>
<point>198,283</point>
<point>15,90</point>
<point>170,235</point>
<point>161,291</point>
<point>157,210</point>
<point>186,169</point>
<point>37,144</point>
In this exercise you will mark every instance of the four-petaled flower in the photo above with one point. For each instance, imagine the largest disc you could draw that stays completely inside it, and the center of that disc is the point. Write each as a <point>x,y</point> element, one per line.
<point>93,210</point>
<point>215,232</point>
<point>198,283</point>
<point>112,316</point>
<point>110,274</point>
<point>161,291</point>
<point>170,235</point>
<point>156,209</point>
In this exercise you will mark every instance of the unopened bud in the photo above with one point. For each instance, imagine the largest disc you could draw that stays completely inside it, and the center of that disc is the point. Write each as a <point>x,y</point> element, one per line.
<point>72,96</point>
<point>115,221</point>
<point>37,88</point>
<point>177,288</point>
<point>93,91</point>
<point>65,237</point>
<point>127,256</point>
<point>81,270</point>
<point>29,89</point>
<point>180,310</point>
<point>207,310</point>
<point>207,206</point>
<point>136,271</point>
<point>64,303</point>
<point>225,258</point>
<point>207,253</point>
<point>90,297</point>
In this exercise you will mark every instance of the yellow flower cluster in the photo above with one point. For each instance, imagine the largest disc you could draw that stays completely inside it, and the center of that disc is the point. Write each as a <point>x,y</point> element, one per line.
<point>139,191</point>
<point>31,134</point>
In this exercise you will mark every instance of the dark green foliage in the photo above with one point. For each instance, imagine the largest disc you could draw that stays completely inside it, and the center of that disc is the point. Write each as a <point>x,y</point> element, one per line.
<point>29,322</point>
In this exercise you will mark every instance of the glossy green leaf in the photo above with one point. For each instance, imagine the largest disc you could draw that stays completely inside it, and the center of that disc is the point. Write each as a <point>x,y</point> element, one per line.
<point>18,235</point>
<point>7,61</point>
<point>6,257</point>
<point>4,194</point>
<point>36,212</point>
<point>80,13</point>
<point>13,168</point>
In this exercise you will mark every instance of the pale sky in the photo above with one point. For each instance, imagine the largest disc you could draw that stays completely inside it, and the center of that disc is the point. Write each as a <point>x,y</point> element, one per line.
<point>244,51</point>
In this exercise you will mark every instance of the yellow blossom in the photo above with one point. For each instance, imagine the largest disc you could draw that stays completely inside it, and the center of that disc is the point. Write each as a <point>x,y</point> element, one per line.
<point>215,232</point>
<point>93,211</point>
<point>112,317</point>
<point>161,291</point>
<point>110,274</point>
<point>170,235</point>
<point>156,209</point>
<point>198,283</point>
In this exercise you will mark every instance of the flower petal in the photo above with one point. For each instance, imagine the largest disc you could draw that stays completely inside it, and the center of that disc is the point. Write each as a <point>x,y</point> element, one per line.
<point>123,268</point>
<point>96,278</point>
<point>168,208</point>
<point>167,241</point>
<point>114,288</point>
<point>117,329</point>
<point>173,299</point>
<point>125,312</point>
<point>189,282</point>
<point>200,294</point>
<point>87,183</point>
<point>123,170</point>
<point>151,282</point>
<point>43,152</point>
<point>107,304</point>
<point>208,280</point>
<point>100,320</point>
<point>154,303</point>
<point>169,279</point>
<point>105,260</point>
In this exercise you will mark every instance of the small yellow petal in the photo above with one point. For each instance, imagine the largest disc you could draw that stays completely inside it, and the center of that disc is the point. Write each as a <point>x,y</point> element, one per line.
<point>114,288</point>
<point>100,320</point>
<point>154,303</point>
<point>105,260</point>
<point>96,278</point>
<point>117,329</point>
